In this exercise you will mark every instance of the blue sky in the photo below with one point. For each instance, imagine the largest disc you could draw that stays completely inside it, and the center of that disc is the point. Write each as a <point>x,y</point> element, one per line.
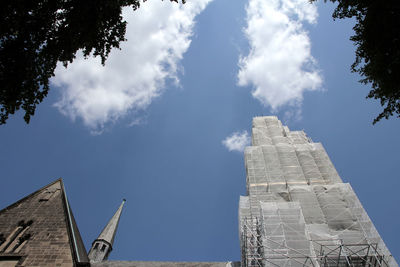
<point>149,127</point>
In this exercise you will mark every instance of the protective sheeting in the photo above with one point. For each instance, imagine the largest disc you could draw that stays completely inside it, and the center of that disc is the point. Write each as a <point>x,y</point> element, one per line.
<point>297,211</point>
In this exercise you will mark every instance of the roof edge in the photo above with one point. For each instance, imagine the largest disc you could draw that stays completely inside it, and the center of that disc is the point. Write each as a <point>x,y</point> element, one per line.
<point>78,249</point>
<point>31,194</point>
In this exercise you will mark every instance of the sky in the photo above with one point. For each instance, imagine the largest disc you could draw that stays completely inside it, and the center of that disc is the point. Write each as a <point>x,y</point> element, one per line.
<point>164,123</point>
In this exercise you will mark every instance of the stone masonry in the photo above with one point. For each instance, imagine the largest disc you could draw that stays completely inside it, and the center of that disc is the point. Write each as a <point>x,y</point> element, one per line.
<point>34,230</point>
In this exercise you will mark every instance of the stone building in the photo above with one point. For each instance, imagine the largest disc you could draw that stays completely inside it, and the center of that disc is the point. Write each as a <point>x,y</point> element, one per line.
<point>297,213</point>
<point>40,230</point>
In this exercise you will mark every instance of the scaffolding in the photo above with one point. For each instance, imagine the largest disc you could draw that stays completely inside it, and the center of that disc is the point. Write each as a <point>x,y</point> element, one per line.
<point>297,211</point>
<point>279,235</point>
<point>255,244</point>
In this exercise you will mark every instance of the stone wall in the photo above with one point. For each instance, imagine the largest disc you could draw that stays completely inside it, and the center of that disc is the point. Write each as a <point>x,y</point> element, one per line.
<point>35,229</point>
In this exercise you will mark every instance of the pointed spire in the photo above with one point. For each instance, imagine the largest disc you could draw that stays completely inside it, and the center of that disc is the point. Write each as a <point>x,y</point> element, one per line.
<point>109,231</point>
<point>102,246</point>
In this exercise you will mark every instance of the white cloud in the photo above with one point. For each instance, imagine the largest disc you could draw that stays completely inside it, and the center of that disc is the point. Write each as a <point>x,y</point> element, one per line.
<point>279,65</point>
<point>158,34</point>
<point>237,141</point>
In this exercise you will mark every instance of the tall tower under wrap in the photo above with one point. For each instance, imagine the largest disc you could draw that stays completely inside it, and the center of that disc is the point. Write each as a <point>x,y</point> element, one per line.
<point>297,211</point>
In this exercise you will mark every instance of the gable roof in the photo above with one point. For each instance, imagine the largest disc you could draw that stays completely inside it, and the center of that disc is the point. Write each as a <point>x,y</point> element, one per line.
<point>78,246</point>
<point>37,209</point>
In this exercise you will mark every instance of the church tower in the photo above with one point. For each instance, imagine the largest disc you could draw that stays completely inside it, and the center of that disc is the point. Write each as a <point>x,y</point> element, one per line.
<point>102,246</point>
<point>297,211</point>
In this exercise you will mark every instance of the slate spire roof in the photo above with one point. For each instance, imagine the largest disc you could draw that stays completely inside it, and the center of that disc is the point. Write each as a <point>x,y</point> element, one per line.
<point>40,230</point>
<point>108,233</point>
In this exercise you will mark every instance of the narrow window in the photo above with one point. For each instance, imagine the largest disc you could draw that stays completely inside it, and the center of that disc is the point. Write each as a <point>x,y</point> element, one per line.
<point>21,241</point>
<point>103,247</point>
<point>96,245</point>
<point>17,238</point>
<point>2,239</point>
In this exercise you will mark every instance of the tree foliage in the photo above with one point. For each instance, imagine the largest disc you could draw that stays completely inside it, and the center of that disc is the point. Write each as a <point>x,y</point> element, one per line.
<point>377,38</point>
<point>36,35</point>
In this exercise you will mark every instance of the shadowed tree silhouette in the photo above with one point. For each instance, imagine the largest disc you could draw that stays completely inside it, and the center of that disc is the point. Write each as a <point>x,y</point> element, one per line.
<point>36,35</point>
<point>377,38</point>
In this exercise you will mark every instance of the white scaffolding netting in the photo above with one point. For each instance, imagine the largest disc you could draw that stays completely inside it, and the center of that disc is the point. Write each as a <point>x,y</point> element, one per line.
<point>298,212</point>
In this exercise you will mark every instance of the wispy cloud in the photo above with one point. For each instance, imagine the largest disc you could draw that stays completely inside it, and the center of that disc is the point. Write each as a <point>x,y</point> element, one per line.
<point>158,34</point>
<point>237,141</point>
<point>279,66</point>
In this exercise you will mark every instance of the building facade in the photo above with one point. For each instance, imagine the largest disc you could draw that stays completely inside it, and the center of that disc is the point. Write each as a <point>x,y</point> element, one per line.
<point>40,231</point>
<point>297,211</point>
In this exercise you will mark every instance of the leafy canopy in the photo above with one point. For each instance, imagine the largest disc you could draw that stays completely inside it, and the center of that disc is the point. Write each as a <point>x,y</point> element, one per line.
<point>377,38</point>
<point>36,35</point>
